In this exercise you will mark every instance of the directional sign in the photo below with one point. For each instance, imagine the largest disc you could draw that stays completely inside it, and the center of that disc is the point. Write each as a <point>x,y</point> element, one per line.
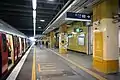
<point>78,16</point>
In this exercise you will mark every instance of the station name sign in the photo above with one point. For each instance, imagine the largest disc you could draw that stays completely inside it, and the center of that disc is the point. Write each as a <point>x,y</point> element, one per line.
<point>78,16</point>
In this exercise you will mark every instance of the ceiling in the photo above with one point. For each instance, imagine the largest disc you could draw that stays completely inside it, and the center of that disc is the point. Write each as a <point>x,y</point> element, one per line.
<point>19,14</point>
<point>76,6</point>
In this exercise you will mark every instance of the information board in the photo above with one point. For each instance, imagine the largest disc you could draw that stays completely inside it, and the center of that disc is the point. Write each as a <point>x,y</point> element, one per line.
<point>78,16</point>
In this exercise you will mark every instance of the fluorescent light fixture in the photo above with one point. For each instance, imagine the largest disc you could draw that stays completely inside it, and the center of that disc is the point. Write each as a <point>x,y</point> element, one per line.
<point>34,25</point>
<point>34,14</point>
<point>62,14</point>
<point>39,27</point>
<point>34,4</point>
<point>51,0</point>
<point>42,20</point>
<point>34,20</point>
<point>71,19</point>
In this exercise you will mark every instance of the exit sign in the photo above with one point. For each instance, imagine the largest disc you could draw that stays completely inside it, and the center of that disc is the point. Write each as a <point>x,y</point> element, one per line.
<point>78,30</point>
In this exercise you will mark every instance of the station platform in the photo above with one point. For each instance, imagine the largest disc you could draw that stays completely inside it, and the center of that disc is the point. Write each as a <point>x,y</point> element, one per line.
<point>50,65</point>
<point>84,60</point>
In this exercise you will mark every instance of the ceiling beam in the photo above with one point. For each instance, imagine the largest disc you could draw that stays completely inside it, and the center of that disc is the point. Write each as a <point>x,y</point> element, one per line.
<point>27,18</point>
<point>29,29</point>
<point>25,15</point>
<point>22,14</point>
<point>26,6</point>
<point>47,2</point>
<point>10,14</point>
<point>29,11</point>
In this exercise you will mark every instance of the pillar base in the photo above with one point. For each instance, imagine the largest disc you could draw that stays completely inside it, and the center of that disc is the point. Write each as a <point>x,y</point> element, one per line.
<point>106,66</point>
<point>63,51</point>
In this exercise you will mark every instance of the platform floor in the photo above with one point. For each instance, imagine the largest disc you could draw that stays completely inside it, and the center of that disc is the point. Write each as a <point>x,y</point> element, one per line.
<point>26,70</point>
<point>50,65</point>
<point>86,61</point>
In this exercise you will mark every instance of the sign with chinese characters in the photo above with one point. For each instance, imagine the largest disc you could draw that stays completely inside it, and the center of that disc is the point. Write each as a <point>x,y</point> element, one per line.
<point>78,16</point>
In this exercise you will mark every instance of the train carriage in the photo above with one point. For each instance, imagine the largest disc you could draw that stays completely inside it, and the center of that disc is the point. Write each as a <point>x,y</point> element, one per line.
<point>3,54</point>
<point>12,46</point>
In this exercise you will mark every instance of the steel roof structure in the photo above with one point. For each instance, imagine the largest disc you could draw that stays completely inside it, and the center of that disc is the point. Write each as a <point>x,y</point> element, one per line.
<point>18,13</point>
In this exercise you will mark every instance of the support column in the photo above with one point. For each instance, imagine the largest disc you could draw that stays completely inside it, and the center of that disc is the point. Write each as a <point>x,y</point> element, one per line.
<point>63,40</point>
<point>52,40</point>
<point>48,40</point>
<point>105,37</point>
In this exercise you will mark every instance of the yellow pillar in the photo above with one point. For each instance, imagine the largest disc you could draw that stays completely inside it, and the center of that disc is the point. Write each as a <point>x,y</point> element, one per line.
<point>52,39</point>
<point>105,37</point>
<point>63,39</point>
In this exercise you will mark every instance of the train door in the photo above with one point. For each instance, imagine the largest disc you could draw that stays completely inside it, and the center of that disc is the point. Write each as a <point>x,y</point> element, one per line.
<point>24,45</point>
<point>3,54</point>
<point>10,50</point>
<point>20,47</point>
<point>15,47</point>
<point>22,42</point>
<point>28,43</point>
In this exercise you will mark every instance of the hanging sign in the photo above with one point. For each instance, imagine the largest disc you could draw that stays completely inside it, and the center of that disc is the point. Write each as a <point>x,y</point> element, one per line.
<point>78,16</point>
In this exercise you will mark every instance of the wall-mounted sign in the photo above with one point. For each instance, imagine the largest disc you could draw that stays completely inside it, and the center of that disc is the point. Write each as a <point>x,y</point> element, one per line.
<point>81,39</point>
<point>78,16</point>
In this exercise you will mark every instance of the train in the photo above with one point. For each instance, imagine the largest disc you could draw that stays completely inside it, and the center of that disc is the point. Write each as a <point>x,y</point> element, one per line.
<point>13,45</point>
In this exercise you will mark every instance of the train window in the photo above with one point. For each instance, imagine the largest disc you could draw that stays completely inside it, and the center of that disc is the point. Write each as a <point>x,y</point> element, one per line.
<point>4,43</point>
<point>18,41</point>
<point>15,42</point>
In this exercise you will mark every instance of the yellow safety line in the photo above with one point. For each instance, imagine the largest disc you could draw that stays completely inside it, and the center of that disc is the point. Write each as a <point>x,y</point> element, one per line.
<point>34,65</point>
<point>39,68</point>
<point>83,68</point>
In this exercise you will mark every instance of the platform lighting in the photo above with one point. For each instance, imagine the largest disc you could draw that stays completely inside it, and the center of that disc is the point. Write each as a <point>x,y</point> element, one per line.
<point>42,20</point>
<point>62,14</point>
<point>34,24</point>
<point>34,14</point>
<point>39,27</point>
<point>51,0</point>
<point>34,4</point>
